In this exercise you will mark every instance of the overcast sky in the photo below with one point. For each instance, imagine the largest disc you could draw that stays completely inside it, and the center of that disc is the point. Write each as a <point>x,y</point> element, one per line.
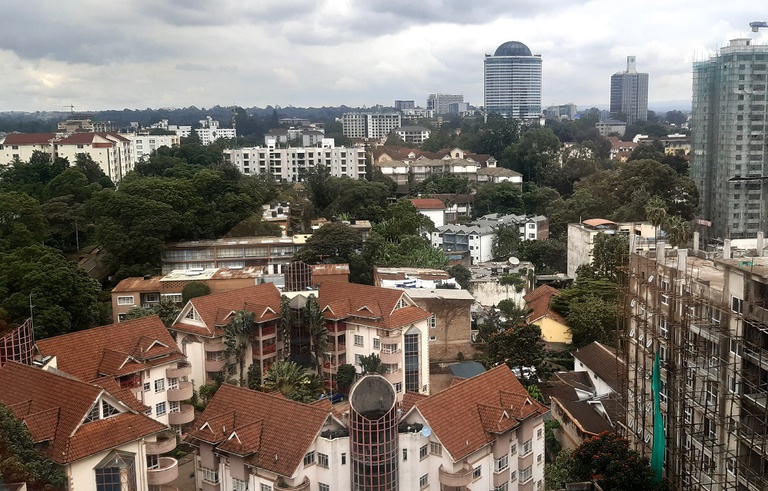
<point>173,53</point>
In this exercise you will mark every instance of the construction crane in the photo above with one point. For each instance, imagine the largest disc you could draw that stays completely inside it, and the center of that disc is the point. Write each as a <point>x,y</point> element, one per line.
<point>757,25</point>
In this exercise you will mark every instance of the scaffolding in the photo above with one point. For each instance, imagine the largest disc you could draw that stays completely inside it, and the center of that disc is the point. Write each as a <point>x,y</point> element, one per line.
<point>713,347</point>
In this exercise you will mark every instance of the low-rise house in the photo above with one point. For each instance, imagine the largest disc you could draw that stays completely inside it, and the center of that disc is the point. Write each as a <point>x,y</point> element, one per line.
<point>497,175</point>
<point>101,442</point>
<point>411,278</point>
<point>554,327</point>
<point>137,360</point>
<point>475,239</point>
<point>621,150</point>
<point>482,433</point>
<point>531,227</point>
<point>412,134</point>
<point>432,208</point>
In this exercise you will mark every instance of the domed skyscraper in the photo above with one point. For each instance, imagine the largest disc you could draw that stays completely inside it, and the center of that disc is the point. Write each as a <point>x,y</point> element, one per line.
<point>513,82</point>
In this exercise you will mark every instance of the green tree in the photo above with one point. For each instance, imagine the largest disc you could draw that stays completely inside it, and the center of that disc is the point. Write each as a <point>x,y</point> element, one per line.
<point>22,221</point>
<point>503,198</point>
<point>462,275</point>
<point>254,376</point>
<point>609,456</point>
<point>610,252</point>
<point>293,382</point>
<point>284,329</point>
<point>656,212</point>
<point>236,339</point>
<point>165,309</point>
<point>515,343</point>
<point>506,243</point>
<point>21,462</point>
<point>62,297</point>
<point>333,242</point>
<point>346,377</point>
<point>590,318</point>
<point>371,364</point>
<point>194,289</point>
<point>318,333</point>
<point>535,155</point>
<point>678,230</point>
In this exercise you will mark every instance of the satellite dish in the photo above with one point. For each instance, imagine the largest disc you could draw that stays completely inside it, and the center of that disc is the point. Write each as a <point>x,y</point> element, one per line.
<point>426,431</point>
<point>514,261</point>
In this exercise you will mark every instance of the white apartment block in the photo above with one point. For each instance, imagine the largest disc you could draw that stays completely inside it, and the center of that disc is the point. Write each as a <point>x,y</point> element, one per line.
<point>369,125</point>
<point>142,146</point>
<point>483,433</point>
<point>477,240</point>
<point>210,131</point>
<point>291,164</point>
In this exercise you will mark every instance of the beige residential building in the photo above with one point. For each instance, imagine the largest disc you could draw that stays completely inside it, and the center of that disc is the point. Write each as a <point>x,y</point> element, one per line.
<point>111,151</point>
<point>581,238</point>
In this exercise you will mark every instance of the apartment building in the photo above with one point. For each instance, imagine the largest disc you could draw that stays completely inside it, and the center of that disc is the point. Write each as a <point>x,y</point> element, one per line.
<point>441,103</point>
<point>21,146</point>
<point>210,130</point>
<point>531,227</point>
<point>292,164</point>
<point>474,239</point>
<point>412,134</point>
<point>499,444</point>
<point>581,238</point>
<point>135,360</point>
<point>270,253</point>
<point>369,125</point>
<point>705,315</point>
<point>98,438</point>
<point>142,146</point>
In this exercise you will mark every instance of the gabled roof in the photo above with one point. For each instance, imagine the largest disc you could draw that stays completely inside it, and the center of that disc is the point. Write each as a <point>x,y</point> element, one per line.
<point>427,204</point>
<point>602,360</point>
<point>88,138</point>
<point>28,138</point>
<point>115,349</point>
<point>467,415</point>
<point>216,309</point>
<point>367,305</point>
<point>539,300</point>
<point>272,432</point>
<point>54,407</point>
<point>498,172</point>
<point>138,284</point>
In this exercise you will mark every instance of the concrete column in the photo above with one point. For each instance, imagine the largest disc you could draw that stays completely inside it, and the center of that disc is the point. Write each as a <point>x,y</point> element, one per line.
<point>660,251</point>
<point>760,243</point>
<point>727,249</point>
<point>682,260</point>
<point>696,239</point>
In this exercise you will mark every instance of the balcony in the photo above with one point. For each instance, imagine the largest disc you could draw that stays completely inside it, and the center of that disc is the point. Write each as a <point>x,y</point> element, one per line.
<point>281,484</point>
<point>339,349</point>
<point>215,365</point>
<point>166,471</point>
<point>336,328</point>
<point>209,486</point>
<point>265,351</point>
<point>165,443</point>
<point>215,345</point>
<point>394,375</point>
<point>183,416</point>
<point>329,367</point>
<point>268,331</point>
<point>457,479</point>
<point>182,370</point>
<point>391,355</point>
<point>181,393</point>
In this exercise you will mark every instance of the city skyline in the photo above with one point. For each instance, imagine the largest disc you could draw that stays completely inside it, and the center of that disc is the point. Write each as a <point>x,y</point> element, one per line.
<point>175,54</point>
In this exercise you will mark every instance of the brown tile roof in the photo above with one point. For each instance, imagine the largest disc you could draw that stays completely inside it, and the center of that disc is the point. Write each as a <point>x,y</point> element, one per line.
<point>115,349</point>
<point>216,309</point>
<point>53,407</point>
<point>491,402</point>
<point>499,172</point>
<point>367,305</point>
<point>539,300</point>
<point>28,138</point>
<point>273,432</point>
<point>138,284</point>
<point>427,204</point>
<point>602,360</point>
<point>129,399</point>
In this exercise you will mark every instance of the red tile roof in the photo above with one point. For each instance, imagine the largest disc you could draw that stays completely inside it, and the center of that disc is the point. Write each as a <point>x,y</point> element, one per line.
<point>53,407</point>
<point>489,403</point>
<point>87,138</point>
<point>216,309</point>
<point>368,305</point>
<point>114,350</point>
<point>272,432</point>
<point>427,204</point>
<point>28,138</point>
<point>539,300</point>
<point>138,284</point>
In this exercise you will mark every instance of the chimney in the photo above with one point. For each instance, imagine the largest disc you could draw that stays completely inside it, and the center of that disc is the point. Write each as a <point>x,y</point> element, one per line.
<point>682,260</point>
<point>727,249</point>
<point>660,251</point>
<point>760,243</point>
<point>696,242</point>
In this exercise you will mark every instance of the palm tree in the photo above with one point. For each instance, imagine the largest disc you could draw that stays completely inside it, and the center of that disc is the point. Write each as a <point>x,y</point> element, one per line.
<point>293,381</point>
<point>678,231</point>
<point>236,339</point>
<point>371,364</point>
<point>317,331</point>
<point>284,330</point>
<point>656,212</point>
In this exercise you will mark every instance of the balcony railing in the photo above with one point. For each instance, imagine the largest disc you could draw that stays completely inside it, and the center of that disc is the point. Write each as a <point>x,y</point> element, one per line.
<point>181,393</point>
<point>460,478</point>
<point>214,365</point>
<point>215,345</point>
<point>184,415</point>
<point>265,351</point>
<point>336,328</point>
<point>183,369</point>
<point>165,443</point>
<point>340,348</point>
<point>303,486</point>
<point>268,331</point>
<point>166,471</point>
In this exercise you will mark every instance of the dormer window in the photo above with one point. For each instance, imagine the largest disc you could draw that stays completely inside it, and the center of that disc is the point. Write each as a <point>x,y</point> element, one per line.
<point>401,303</point>
<point>101,410</point>
<point>193,315</point>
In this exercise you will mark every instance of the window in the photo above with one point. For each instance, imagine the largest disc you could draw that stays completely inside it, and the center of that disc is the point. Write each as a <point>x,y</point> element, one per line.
<point>423,452</point>
<point>539,458</point>
<point>477,472</point>
<point>159,385</point>
<point>503,487</point>
<point>405,454</point>
<point>540,433</point>
<point>688,414</point>
<point>512,476</point>
<point>376,343</point>
<point>173,384</point>
<point>309,458</point>
<point>736,304</point>
<point>357,359</point>
<point>238,485</point>
<point>160,408</point>
<point>424,481</point>
<point>148,412</point>
<point>265,487</point>
<point>526,474</point>
<point>433,338</point>
<point>501,463</point>
<point>358,340</point>
<point>210,475</point>
<point>435,448</point>
<point>125,300</point>
<point>117,472</point>
<point>527,448</point>
<point>322,460</point>
<point>513,449</point>
<point>433,321</point>
<point>323,487</point>
<point>398,387</point>
<point>664,327</point>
